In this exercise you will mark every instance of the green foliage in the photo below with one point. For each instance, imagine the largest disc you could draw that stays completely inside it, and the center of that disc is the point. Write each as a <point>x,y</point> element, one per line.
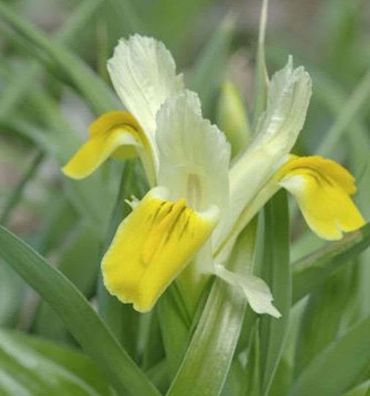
<point>314,269</point>
<point>276,271</point>
<point>78,316</point>
<point>345,362</point>
<point>57,370</point>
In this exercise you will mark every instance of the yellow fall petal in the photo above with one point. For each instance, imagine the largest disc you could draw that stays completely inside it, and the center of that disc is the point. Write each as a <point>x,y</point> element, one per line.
<point>115,133</point>
<point>323,190</point>
<point>152,246</point>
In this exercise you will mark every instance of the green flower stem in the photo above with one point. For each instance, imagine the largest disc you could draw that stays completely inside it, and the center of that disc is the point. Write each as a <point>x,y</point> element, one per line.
<point>208,359</point>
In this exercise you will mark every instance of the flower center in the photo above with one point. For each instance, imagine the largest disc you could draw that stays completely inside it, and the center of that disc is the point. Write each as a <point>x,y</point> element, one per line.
<point>194,192</point>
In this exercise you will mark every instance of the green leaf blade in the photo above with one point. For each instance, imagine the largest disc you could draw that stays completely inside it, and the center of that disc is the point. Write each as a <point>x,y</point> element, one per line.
<point>209,355</point>
<point>78,316</point>
<point>41,367</point>
<point>277,274</point>
<point>312,270</point>
<point>338,367</point>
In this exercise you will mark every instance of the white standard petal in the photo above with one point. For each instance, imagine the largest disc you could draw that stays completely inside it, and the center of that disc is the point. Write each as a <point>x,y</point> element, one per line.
<point>143,73</point>
<point>193,154</point>
<point>288,99</point>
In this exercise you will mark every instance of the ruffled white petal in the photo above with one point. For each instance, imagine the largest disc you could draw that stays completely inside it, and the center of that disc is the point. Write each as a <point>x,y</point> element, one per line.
<point>193,154</point>
<point>143,73</point>
<point>288,99</point>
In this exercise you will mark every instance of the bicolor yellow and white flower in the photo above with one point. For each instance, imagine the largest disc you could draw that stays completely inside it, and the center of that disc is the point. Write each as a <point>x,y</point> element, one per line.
<point>199,203</point>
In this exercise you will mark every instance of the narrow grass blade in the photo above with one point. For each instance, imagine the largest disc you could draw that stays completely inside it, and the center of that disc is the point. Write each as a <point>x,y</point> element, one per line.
<point>252,379</point>
<point>148,17</point>
<point>15,89</point>
<point>152,350</point>
<point>175,330</point>
<point>354,105</point>
<point>324,310</point>
<point>232,117</point>
<point>79,262</point>
<point>282,379</point>
<point>123,320</point>
<point>261,79</point>
<point>276,273</point>
<point>312,270</point>
<point>81,15</point>
<point>11,296</point>
<point>17,192</point>
<point>339,367</point>
<point>158,374</point>
<point>128,15</point>
<point>78,316</point>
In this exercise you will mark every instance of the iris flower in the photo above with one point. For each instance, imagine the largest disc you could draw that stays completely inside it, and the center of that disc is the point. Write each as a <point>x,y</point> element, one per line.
<point>198,201</point>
